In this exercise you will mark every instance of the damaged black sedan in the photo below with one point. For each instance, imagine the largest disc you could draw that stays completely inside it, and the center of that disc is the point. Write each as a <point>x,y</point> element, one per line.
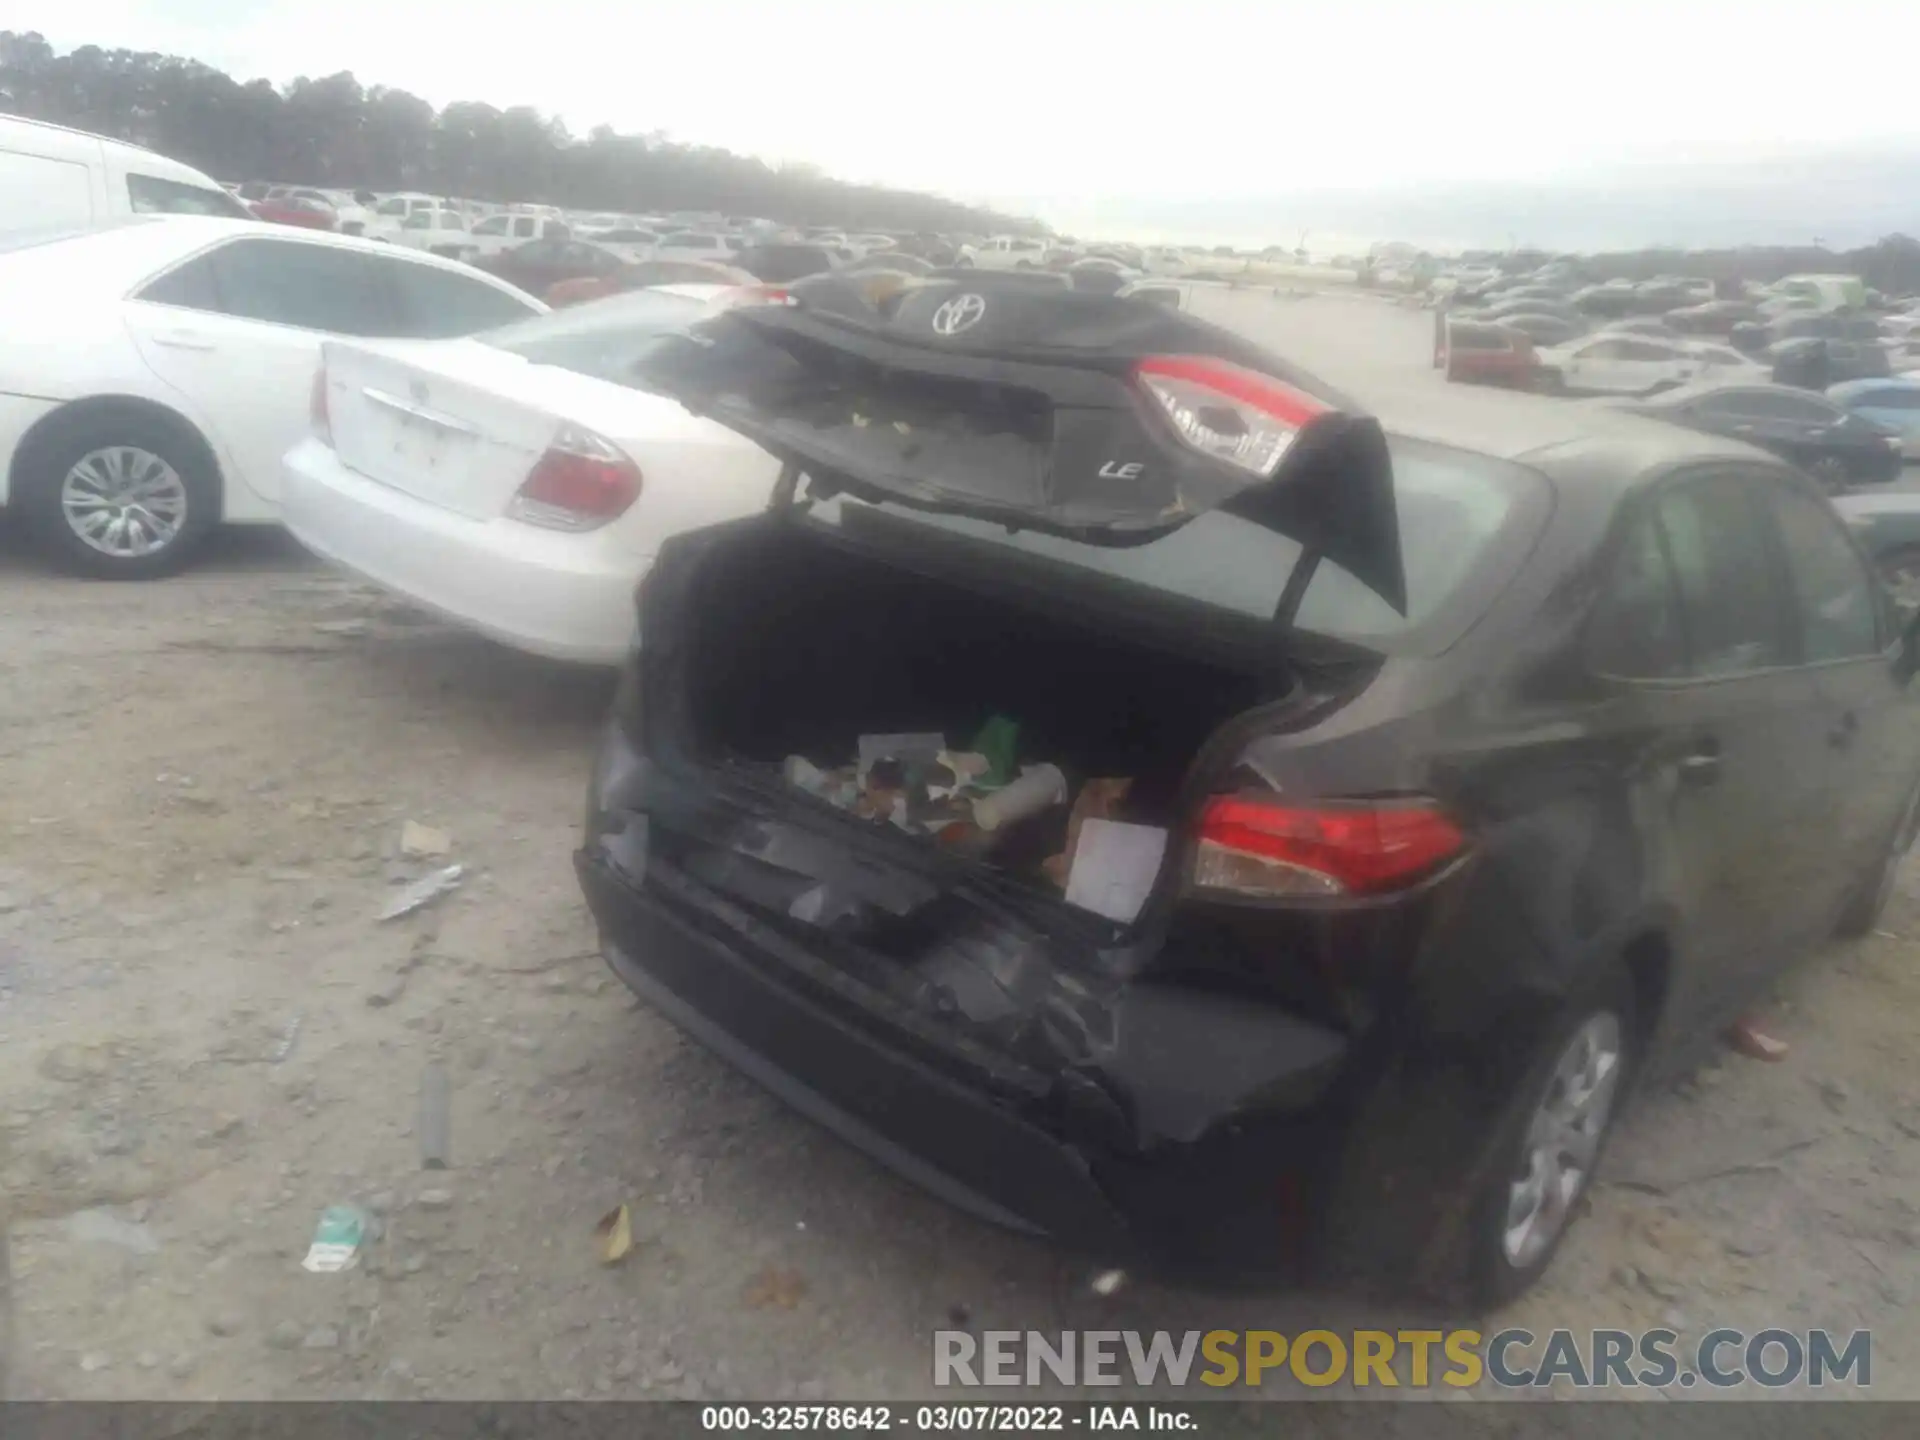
<point>1149,803</point>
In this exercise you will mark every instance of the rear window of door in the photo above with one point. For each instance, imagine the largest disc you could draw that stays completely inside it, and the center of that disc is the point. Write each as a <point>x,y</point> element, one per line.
<point>1836,602</point>
<point>1723,566</point>
<point>1636,631</point>
<point>285,282</point>
<point>436,303</point>
<point>149,195</point>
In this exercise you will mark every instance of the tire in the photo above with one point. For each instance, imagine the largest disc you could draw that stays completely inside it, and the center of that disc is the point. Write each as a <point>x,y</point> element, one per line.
<point>113,455</point>
<point>1867,903</point>
<point>1832,473</point>
<point>1601,1013</point>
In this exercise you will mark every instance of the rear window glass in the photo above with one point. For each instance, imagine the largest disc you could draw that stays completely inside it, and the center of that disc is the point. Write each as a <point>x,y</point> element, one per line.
<point>604,339</point>
<point>1455,509</point>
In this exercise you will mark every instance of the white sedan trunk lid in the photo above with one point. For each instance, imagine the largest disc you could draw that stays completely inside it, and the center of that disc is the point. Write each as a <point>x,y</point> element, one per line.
<point>459,424</point>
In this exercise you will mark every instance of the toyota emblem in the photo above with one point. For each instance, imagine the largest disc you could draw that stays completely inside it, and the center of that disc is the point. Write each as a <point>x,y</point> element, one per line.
<point>962,312</point>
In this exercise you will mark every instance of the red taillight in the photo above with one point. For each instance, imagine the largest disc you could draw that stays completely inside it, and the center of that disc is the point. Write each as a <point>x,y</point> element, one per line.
<point>580,483</point>
<point>1250,845</point>
<point>1240,416</point>
<point>318,416</point>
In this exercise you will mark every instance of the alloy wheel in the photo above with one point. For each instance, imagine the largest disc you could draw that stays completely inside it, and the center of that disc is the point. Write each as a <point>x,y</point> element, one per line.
<point>124,502</point>
<point>1563,1139</point>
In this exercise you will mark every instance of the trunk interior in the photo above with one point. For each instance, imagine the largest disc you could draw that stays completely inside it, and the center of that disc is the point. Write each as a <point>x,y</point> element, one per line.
<point>801,645</point>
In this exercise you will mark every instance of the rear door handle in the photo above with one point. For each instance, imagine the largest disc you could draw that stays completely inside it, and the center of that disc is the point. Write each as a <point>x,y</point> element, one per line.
<point>184,340</point>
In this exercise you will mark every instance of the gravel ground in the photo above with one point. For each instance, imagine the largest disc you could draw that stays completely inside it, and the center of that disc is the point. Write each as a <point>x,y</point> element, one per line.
<point>206,1037</point>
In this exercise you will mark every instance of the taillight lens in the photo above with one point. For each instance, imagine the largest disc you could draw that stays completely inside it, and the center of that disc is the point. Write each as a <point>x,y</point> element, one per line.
<point>1252,845</point>
<point>580,483</point>
<point>318,416</point>
<point>1240,416</point>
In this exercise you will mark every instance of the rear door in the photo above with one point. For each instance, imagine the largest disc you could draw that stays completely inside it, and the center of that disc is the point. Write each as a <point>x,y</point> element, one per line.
<point>238,328</point>
<point>1848,641</point>
<point>1743,740</point>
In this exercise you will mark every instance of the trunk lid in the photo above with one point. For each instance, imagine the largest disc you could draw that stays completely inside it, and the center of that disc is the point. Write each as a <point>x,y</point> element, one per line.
<point>1044,409</point>
<point>459,424</point>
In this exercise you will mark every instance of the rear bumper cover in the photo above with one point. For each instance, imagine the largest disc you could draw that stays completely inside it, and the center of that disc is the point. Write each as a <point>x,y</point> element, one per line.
<point>549,592</point>
<point>1228,1124</point>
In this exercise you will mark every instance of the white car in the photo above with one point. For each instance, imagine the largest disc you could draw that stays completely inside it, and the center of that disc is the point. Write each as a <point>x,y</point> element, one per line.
<point>518,482</point>
<point>1613,363</point>
<point>706,245</point>
<point>437,232</point>
<point>1006,252</point>
<point>498,234</point>
<point>631,243</point>
<point>153,372</point>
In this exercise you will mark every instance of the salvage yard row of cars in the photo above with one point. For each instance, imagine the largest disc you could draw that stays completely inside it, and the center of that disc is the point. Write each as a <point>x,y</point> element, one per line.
<point>1067,750</point>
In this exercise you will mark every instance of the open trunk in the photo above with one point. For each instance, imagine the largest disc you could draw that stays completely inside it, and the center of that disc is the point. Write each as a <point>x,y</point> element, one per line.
<point>799,644</point>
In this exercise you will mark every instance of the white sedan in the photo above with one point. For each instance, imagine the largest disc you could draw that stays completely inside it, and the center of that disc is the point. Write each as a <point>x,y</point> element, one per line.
<point>519,483</point>
<point>152,373</point>
<point>1622,363</point>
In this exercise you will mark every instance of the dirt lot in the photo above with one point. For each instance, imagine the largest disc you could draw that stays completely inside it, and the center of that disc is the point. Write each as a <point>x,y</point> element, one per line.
<point>206,1038</point>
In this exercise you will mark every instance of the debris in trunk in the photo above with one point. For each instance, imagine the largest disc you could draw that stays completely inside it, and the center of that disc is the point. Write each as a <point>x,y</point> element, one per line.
<point>1115,867</point>
<point>1040,787</point>
<point>901,750</point>
<point>1097,800</point>
<point>999,742</point>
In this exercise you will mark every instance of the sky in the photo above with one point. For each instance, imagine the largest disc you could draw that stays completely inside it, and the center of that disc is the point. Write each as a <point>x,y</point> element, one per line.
<point>1122,111</point>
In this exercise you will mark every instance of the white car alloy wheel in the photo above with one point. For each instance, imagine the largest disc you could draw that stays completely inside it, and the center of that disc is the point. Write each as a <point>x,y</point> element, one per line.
<point>123,501</point>
<point>1563,1139</point>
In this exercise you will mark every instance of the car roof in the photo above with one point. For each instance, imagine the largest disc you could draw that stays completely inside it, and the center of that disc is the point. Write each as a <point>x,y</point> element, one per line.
<point>1545,431</point>
<point>127,248</point>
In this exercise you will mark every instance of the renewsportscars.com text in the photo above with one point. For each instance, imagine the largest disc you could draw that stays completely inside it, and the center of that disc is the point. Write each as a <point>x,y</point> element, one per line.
<point>1416,1359</point>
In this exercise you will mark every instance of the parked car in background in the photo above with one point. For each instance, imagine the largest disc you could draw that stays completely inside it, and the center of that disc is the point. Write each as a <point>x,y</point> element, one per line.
<point>497,234</point>
<point>153,372</point>
<point>524,501</point>
<point>1565,735</point>
<point>436,231</point>
<point>1544,330</point>
<point>1611,363</point>
<point>536,266</point>
<point>53,178</point>
<point>694,245</point>
<point>1892,403</point>
<point>630,242</point>
<point>308,211</point>
<point>1837,448</point>
<point>1477,353</point>
<point>776,263</point>
<point>1714,317</point>
<point>644,273</point>
<point>1006,252</point>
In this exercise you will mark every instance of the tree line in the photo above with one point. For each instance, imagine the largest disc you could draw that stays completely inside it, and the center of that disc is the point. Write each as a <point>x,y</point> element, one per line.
<point>335,132</point>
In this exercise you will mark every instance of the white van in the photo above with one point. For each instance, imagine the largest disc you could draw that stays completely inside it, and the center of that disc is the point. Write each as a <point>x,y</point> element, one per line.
<point>53,178</point>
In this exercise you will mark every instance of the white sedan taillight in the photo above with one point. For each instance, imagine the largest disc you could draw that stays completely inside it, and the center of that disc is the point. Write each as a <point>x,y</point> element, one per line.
<point>1233,414</point>
<point>580,483</point>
